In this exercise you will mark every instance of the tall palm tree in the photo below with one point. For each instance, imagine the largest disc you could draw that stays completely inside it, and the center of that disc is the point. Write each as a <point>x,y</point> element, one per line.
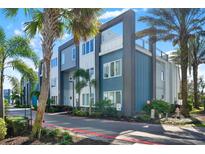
<point>11,52</point>
<point>197,50</point>
<point>51,23</point>
<point>85,79</point>
<point>178,26</point>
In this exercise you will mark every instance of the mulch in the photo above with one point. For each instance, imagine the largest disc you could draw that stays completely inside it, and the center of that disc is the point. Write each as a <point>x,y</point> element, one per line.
<point>24,140</point>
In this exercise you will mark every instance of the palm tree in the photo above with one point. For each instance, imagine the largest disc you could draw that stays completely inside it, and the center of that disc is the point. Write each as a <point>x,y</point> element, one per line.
<point>85,79</point>
<point>197,50</point>
<point>51,23</point>
<point>11,52</point>
<point>78,87</point>
<point>178,26</point>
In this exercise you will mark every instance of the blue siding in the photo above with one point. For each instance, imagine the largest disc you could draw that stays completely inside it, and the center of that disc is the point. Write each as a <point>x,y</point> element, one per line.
<point>115,83</point>
<point>143,80</point>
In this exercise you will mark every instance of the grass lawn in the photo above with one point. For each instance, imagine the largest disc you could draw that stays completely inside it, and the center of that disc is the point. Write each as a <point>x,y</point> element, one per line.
<point>197,111</point>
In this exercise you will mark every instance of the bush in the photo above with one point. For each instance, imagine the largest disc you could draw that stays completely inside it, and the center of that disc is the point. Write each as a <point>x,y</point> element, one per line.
<point>3,129</point>
<point>106,109</point>
<point>160,106</point>
<point>56,135</point>
<point>78,112</point>
<point>66,139</point>
<point>17,125</point>
<point>58,108</point>
<point>143,118</point>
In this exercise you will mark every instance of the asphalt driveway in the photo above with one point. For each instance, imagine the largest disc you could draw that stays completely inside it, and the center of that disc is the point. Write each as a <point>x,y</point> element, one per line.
<point>120,132</point>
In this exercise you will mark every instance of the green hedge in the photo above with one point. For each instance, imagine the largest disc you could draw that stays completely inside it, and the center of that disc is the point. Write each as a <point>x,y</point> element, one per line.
<point>3,129</point>
<point>17,125</point>
<point>160,106</point>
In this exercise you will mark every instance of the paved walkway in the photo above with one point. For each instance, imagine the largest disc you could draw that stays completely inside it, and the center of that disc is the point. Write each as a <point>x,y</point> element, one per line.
<point>120,132</point>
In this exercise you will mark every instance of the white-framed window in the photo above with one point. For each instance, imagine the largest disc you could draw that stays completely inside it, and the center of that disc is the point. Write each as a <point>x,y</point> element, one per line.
<point>112,69</point>
<point>74,53</point>
<point>62,58</point>
<point>162,75</point>
<point>53,82</point>
<point>85,99</point>
<point>115,97</point>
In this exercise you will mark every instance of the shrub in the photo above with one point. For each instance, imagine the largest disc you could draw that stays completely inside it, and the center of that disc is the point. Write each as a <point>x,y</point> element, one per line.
<point>78,112</point>
<point>160,106</point>
<point>17,125</point>
<point>3,129</point>
<point>143,118</point>
<point>65,139</point>
<point>105,107</point>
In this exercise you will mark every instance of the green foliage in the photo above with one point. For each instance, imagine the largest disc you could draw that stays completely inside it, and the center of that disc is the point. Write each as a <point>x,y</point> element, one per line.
<point>78,112</point>
<point>17,125</point>
<point>58,108</point>
<point>3,129</point>
<point>160,106</point>
<point>66,139</point>
<point>63,138</point>
<point>143,118</point>
<point>105,108</point>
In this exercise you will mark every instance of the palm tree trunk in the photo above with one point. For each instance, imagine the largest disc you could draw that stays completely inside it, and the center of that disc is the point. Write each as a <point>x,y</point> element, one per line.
<point>49,32</point>
<point>1,93</point>
<point>184,66</point>
<point>90,107</point>
<point>195,78</point>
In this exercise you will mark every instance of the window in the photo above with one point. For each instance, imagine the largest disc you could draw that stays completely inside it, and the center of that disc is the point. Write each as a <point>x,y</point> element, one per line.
<point>83,49</point>
<point>85,99</point>
<point>91,45</point>
<point>162,75</point>
<point>115,97</point>
<point>54,62</point>
<point>53,82</point>
<point>62,58</point>
<point>73,53</point>
<point>112,69</point>
<point>88,47</point>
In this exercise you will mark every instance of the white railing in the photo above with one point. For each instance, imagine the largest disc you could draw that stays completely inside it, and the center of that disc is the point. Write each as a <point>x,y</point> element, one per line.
<point>111,45</point>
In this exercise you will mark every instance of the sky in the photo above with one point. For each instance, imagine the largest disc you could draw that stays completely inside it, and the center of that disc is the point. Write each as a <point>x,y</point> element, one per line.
<point>15,26</point>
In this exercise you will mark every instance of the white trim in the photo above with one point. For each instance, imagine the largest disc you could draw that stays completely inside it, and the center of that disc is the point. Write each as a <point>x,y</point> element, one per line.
<point>109,63</point>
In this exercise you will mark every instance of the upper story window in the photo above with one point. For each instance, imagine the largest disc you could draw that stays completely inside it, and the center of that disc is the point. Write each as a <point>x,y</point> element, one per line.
<point>88,47</point>
<point>112,69</point>
<point>62,58</point>
<point>162,75</point>
<point>74,53</point>
<point>53,82</point>
<point>54,62</point>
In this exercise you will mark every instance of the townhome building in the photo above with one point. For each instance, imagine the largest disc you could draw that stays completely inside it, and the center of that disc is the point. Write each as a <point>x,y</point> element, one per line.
<point>126,72</point>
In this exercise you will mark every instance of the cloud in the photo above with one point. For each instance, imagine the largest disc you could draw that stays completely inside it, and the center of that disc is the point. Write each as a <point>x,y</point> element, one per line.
<point>65,36</point>
<point>112,14</point>
<point>18,32</point>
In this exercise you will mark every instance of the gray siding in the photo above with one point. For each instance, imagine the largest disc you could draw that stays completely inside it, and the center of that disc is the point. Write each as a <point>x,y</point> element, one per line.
<point>69,63</point>
<point>115,83</point>
<point>143,81</point>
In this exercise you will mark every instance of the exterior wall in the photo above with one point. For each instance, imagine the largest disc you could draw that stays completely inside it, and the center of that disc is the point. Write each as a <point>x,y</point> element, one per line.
<point>110,84</point>
<point>65,72</point>
<point>143,80</point>
<point>69,63</point>
<point>169,88</point>
<point>54,75</point>
<point>87,61</point>
<point>67,89</point>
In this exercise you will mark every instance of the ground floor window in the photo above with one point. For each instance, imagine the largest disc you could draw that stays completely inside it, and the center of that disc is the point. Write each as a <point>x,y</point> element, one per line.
<point>86,99</point>
<point>54,100</point>
<point>115,97</point>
